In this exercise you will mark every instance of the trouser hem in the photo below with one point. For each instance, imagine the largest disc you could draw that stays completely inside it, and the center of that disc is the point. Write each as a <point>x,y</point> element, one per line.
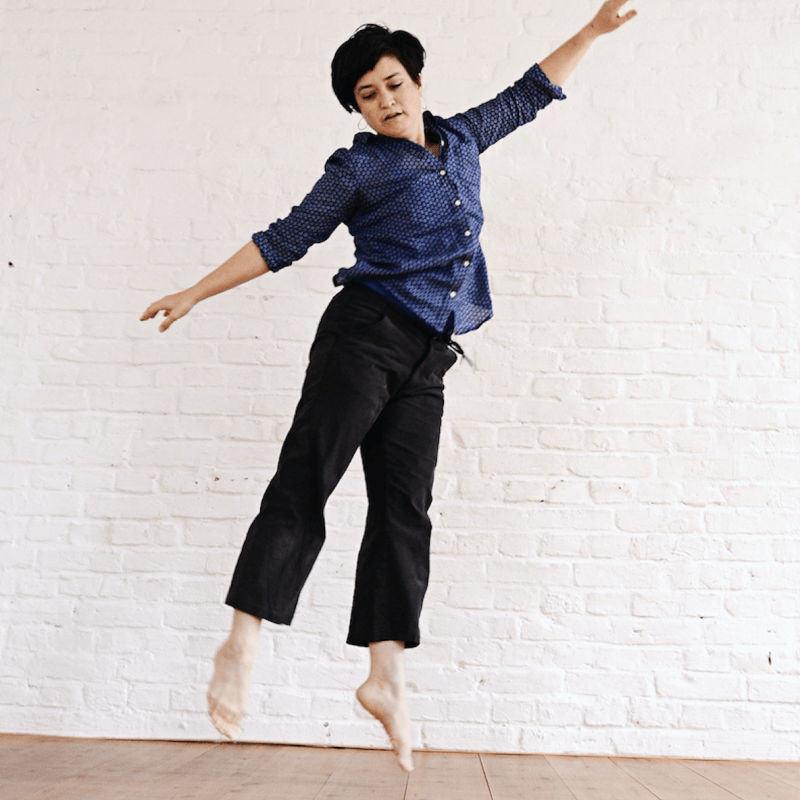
<point>359,642</point>
<point>254,611</point>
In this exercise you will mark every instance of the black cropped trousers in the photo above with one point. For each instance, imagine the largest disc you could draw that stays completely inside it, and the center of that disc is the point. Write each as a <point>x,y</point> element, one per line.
<point>374,381</point>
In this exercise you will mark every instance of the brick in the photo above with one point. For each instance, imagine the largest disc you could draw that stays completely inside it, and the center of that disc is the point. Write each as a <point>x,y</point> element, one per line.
<point>703,717</point>
<point>701,687</point>
<point>609,603</point>
<point>654,714</point>
<point>606,714</point>
<point>773,690</point>
<point>605,492</point>
<point>612,575</point>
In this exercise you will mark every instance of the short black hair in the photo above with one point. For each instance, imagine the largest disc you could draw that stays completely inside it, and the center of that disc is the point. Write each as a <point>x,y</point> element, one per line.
<point>363,50</point>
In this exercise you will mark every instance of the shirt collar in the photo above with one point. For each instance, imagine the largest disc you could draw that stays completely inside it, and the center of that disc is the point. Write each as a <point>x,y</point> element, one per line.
<point>431,130</point>
<point>428,120</point>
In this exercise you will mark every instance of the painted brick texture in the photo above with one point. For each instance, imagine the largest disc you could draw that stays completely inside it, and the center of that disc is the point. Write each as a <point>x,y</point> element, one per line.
<point>616,557</point>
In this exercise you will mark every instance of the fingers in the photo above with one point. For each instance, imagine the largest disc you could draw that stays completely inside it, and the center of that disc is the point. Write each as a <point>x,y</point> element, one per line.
<point>621,20</point>
<point>153,309</point>
<point>608,18</point>
<point>174,307</point>
<point>616,5</point>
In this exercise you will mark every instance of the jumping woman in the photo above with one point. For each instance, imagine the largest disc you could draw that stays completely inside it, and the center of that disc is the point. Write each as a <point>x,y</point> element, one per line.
<point>409,194</point>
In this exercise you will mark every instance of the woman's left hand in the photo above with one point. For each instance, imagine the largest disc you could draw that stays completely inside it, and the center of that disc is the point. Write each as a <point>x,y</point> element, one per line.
<point>608,18</point>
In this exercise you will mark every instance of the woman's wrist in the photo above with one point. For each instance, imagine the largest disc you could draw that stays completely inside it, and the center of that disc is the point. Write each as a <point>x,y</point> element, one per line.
<point>591,32</point>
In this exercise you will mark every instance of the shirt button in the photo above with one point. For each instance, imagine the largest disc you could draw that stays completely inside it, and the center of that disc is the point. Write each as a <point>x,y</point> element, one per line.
<point>458,202</point>
<point>443,172</point>
<point>452,294</point>
<point>467,233</point>
<point>466,262</point>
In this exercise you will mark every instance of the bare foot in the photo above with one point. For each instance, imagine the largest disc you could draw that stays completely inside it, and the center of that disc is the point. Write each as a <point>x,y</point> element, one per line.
<point>228,690</point>
<point>390,707</point>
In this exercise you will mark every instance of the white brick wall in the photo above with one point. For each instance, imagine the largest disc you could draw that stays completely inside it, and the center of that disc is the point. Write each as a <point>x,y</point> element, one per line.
<point>617,545</point>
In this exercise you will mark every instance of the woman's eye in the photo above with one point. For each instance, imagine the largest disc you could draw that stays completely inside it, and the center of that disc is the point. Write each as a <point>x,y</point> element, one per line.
<point>396,86</point>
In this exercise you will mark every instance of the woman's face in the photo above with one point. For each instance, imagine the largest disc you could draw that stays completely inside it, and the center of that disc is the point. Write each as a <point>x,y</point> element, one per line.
<point>390,101</point>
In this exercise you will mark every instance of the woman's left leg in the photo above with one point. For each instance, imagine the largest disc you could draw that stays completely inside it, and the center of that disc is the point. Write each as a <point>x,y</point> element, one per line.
<point>399,455</point>
<point>383,694</point>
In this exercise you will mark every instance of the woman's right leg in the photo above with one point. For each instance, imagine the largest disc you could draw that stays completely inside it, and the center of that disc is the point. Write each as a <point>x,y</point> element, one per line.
<point>233,666</point>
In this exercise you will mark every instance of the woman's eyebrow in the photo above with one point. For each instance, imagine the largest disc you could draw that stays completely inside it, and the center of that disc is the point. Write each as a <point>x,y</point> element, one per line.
<point>369,85</point>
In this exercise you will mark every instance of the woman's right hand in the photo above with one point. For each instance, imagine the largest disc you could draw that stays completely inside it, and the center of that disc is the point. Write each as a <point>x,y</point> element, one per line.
<point>174,307</point>
<point>242,266</point>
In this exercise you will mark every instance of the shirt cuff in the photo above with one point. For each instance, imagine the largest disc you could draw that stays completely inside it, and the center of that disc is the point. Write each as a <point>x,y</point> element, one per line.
<point>267,251</point>
<point>537,74</point>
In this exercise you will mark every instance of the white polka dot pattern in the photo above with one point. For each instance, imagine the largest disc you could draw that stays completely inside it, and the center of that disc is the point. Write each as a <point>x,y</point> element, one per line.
<point>415,218</point>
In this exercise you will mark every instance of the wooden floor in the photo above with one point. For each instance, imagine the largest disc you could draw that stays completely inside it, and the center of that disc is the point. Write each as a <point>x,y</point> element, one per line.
<point>37,767</point>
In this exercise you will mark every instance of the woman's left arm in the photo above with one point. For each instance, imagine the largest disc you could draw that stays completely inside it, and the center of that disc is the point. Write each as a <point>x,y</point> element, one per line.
<point>560,64</point>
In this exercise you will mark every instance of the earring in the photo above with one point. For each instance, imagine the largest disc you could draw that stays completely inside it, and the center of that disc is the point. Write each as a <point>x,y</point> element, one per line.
<point>365,124</point>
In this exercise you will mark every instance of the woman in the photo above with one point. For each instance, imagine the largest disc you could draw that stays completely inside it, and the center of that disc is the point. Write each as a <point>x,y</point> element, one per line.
<point>409,194</point>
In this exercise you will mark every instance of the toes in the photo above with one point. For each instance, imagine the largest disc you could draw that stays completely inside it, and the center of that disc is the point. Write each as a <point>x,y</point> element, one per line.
<point>228,729</point>
<point>226,722</point>
<point>406,763</point>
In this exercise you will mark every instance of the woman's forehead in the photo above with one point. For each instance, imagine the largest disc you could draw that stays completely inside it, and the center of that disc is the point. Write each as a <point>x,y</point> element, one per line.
<point>386,68</point>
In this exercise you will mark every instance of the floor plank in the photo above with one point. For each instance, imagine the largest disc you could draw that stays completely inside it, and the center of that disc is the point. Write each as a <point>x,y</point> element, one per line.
<point>744,781</point>
<point>51,759</point>
<point>366,775</point>
<point>157,770</point>
<point>520,777</point>
<point>294,773</point>
<point>447,776</point>
<point>13,739</point>
<point>671,780</point>
<point>217,772</point>
<point>596,778</point>
<point>780,770</point>
<point>154,759</point>
<point>17,790</point>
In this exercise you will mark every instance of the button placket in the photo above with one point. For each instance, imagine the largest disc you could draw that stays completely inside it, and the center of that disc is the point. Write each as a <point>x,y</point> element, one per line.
<point>465,262</point>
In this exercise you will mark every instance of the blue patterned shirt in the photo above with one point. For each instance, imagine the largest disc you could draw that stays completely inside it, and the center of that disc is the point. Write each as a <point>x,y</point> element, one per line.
<point>415,219</point>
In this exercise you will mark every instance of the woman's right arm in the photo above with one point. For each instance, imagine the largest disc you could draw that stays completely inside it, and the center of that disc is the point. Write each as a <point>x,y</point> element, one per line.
<point>242,266</point>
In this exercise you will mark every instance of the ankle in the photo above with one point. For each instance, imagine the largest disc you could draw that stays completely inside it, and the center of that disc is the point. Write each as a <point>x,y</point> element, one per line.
<point>239,649</point>
<point>242,641</point>
<point>385,683</point>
